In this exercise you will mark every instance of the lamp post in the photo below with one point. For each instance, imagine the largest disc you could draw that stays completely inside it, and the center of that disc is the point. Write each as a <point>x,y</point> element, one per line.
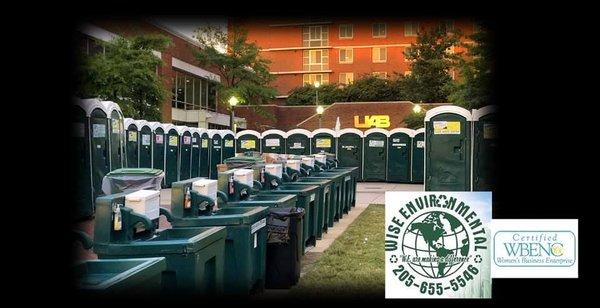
<point>417,108</point>
<point>233,101</point>
<point>320,111</point>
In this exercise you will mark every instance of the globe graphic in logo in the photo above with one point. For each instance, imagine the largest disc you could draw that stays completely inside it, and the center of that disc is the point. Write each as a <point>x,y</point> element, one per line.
<point>435,234</point>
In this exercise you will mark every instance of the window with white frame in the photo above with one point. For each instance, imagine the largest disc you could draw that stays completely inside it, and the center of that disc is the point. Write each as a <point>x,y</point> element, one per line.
<point>379,54</point>
<point>411,28</point>
<point>315,36</point>
<point>346,55</point>
<point>346,31</point>
<point>193,93</point>
<point>382,75</point>
<point>379,29</point>
<point>346,78</point>
<point>311,78</point>
<point>315,59</point>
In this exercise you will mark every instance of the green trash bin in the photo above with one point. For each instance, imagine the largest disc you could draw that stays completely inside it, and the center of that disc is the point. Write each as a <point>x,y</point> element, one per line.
<point>327,199</point>
<point>399,152</point>
<point>485,148</point>
<point>352,178</point>
<point>343,187</point>
<point>228,143</point>
<point>116,135</point>
<point>196,143</point>
<point>375,160</point>
<point>418,156</point>
<point>298,142</point>
<point>247,141</point>
<point>121,277</point>
<point>145,144</point>
<point>185,152</point>
<point>132,179</point>
<point>273,141</point>
<point>216,152</point>
<point>194,256</point>
<point>323,141</point>
<point>158,146</point>
<point>448,149</point>
<point>246,243</point>
<point>350,149</point>
<point>132,144</point>
<point>171,154</point>
<point>204,154</point>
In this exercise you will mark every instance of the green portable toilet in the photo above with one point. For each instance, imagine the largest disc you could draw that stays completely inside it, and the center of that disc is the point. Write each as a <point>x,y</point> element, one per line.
<point>247,140</point>
<point>448,149</point>
<point>145,156</point>
<point>485,148</point>
<point>297,142</point>
<point>172,154</point>
<point>99,144</point>
<point>350,148</point>
<point>158,145</point>
<point>216,151</point>
<point>273,141</point>
<point>185,152</point>
<point>132,146</point>
<point>323,141</point>
<point>418,156</point>
<point>196,143</point>
<point>228,143</point>
<point>89,155</point>
<point>399,152</point>
<point>116,136</point>
<point>375,155</point>
<point>204,154</point>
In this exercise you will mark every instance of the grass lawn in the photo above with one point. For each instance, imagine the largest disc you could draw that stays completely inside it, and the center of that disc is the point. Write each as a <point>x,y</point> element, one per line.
<point>354,264</point>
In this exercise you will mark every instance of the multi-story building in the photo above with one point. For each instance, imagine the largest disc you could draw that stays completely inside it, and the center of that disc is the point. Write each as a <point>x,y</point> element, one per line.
<point>194,97</point>
<point>337,50</point>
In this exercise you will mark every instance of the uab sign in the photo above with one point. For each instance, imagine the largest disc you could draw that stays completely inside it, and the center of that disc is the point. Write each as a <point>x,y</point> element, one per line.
<point>379,121</point>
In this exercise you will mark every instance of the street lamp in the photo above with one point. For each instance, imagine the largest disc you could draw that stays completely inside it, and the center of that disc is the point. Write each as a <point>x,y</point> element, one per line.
<point>417,108</point>
<point>233,101</point>
<point>320,111</point>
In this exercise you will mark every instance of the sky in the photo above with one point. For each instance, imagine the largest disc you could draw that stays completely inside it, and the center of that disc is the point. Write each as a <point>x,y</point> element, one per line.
<point>187,25</point>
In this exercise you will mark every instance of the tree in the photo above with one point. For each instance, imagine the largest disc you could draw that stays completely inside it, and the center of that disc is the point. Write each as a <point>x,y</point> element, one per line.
<point>126,74</point>
<point>473,89</point>
<point>431,63</point>
<point>415,120</point>
<point>307,95</point>
<point>244,74</point>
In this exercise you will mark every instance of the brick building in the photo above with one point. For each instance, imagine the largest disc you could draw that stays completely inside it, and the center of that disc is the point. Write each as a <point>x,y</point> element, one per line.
<point>337,50</point>
<point>194,99</point>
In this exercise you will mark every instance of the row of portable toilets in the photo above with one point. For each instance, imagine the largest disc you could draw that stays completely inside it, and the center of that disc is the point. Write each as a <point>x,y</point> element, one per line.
<point>453,152</point>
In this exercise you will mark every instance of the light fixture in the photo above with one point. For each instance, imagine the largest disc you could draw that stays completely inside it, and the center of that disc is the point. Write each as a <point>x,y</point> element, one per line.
<point>417,109</point>
<point>317,84</point>
<point>233,101</point>
<point>320,110</point>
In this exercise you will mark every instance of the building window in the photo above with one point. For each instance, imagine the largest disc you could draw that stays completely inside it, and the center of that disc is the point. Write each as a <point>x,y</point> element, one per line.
<point>411,28</point>
<point>193,93</point>
<point>448,24</point>
<point>217,126</point>
<point>311,78</point>
<point>346,78</point>
<point>379,30</point>
<point>315,36</point>
<point>346,31</point>
<point>315,60</point>
<point>407,73</point>
<point>346,55</point>
<point>382,75</point>
<point>379,54</point>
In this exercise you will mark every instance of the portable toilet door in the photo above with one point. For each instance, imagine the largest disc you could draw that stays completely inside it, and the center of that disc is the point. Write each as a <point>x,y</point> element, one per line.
<point>323,141</point>
<point>375,154</point>
<point>216,152</point>
<point>228,143</point>
<point>145,156</point>
<point>171,155</point>
<point>116,137</point>
<point>297,142</point>
<point>185,152</point>
<point>132,147</point>
<point>247,140</point>
<point>399,152</point>
<point>448,149</point>
<point>204,154</point>
<point>158,146</point>
<point>195,171</point>
<point>273,141</point>
<point>418,156</point>
<point>99,144</point>
<point>485,147</point>
<point>82,190</point>
<point>350,148</point>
